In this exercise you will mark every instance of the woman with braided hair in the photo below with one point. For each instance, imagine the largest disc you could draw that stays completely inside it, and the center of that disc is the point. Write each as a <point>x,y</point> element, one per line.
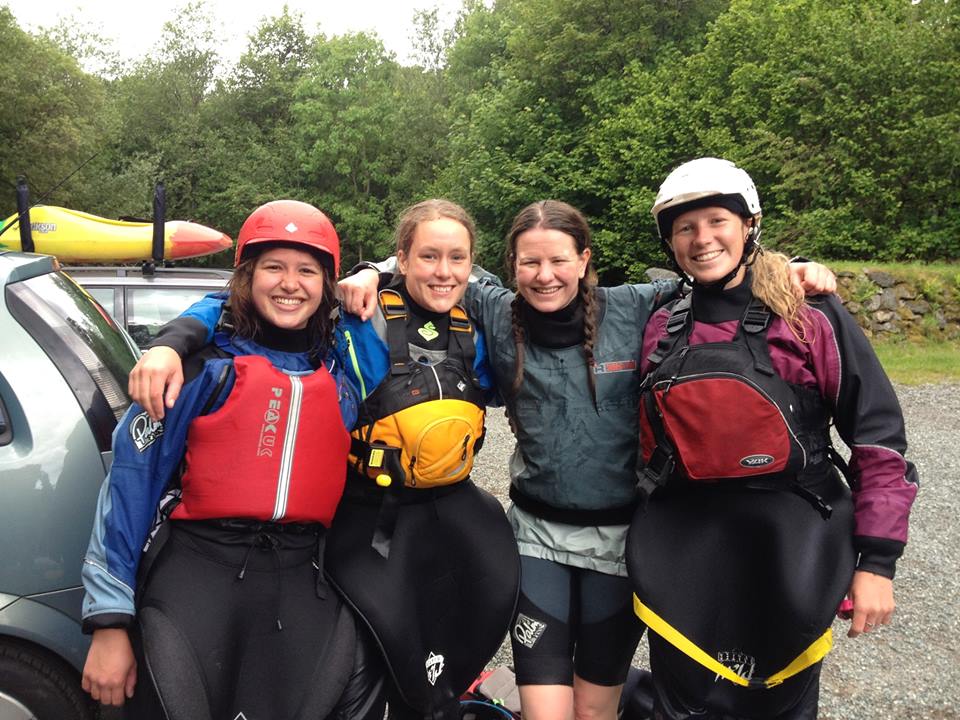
<point>572,362</point>
<point>565,355</point>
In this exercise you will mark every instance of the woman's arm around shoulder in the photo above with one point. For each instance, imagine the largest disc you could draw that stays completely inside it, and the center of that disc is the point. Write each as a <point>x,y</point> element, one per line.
<point>157,378</point>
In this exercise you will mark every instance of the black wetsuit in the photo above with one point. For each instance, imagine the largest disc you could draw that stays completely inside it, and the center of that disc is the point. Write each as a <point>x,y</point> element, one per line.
<point>440,603</point>
<point>231,619</point>
<point>753,574</point>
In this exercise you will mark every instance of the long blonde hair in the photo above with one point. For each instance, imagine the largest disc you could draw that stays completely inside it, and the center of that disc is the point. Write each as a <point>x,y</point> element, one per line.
<point>774,288</point>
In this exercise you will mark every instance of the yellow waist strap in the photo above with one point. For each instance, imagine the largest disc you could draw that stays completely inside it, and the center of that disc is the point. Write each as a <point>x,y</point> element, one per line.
<point>813,654</point>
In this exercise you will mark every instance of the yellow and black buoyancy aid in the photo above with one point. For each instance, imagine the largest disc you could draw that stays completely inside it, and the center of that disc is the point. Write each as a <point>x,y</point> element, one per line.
<point>423,424</point>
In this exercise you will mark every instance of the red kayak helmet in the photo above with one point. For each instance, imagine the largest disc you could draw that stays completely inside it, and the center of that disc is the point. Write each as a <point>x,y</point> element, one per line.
<point>291,222</point>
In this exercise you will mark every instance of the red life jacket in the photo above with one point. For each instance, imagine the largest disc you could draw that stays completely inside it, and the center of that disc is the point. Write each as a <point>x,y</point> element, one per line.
<point>275,451</point>
<point>718,411</point>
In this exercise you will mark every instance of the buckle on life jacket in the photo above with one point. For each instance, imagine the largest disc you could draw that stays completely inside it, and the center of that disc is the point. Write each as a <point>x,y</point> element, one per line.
<point>756,318</point>
<point>392,304</point>
<point>459,322</point>
<point>378,455</point>
<point>659,467</point>
<point>395,314</point>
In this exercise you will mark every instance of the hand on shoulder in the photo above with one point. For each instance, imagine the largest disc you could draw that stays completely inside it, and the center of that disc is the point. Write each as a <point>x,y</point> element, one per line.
<point>156,380</point>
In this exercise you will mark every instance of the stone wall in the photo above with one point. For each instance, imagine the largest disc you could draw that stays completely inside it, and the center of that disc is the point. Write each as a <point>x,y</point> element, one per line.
<point>915,306</point>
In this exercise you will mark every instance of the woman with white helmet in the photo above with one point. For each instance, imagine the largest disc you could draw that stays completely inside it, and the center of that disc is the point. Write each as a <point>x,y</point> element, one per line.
<point>227,614</point>
<point>750,540</point>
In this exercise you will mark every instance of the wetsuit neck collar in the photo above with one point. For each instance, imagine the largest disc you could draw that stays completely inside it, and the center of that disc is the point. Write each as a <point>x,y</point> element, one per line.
<point>716,304</point>
<point>275,338</point>
<point>558,329</point>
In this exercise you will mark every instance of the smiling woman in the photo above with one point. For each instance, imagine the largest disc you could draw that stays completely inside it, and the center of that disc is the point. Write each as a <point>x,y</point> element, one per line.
<point>549,267</point>
<point>744,500</point>
<point>287,287</point>
<point>265,411</point>
<point>285,269</point>
<point>436,261</point>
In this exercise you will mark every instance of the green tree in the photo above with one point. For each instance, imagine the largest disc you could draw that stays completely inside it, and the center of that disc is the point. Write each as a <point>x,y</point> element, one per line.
<point>350,139</point>
<point>846,115</point>
<point>53,117</point>
<point>248,128</point>
<point>531,80</point>
<point>160,101</point>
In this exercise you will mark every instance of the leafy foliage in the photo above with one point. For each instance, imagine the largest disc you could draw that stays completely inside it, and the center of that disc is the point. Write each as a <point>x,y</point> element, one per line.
<point>844,112</point>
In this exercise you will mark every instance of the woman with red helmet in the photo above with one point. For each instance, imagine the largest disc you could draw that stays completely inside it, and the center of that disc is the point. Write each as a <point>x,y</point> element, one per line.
<point>422,554</point>
<point>226,614</point>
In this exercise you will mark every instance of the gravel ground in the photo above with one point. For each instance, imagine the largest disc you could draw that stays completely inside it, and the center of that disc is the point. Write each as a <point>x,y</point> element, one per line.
<point>911,669</point>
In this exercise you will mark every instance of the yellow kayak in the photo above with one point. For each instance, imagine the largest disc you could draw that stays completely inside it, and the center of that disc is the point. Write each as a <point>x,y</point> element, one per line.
<point>78,237</point>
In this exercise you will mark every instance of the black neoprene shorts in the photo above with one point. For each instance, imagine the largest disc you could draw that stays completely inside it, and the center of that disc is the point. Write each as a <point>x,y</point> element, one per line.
<point>572,621</point>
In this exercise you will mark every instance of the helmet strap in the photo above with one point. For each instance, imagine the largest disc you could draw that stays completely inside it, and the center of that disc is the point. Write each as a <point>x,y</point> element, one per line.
<point>751,249</point>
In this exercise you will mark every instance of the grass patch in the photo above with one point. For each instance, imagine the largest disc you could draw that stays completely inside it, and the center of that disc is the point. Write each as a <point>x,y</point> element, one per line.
<point>917,363</point>
<point>910,270</point>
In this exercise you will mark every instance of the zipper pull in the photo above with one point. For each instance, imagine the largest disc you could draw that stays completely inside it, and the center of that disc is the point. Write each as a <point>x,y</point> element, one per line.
<point>465,441</point>
<point>412,477</point>
<point>676,373</point>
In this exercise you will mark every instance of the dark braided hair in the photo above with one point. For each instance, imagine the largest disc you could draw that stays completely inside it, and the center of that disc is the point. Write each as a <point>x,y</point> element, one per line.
<point>519,339</point>
<point>555,215</point>
<point>588,297</point>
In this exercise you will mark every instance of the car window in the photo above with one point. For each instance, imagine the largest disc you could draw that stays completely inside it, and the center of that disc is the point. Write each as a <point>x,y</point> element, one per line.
<point>148,309</point>
<point>83,341</point>
<point>104,296</point>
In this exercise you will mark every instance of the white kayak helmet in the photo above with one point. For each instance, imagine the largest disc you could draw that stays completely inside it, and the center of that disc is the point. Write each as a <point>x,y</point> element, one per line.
<point>705,182</point>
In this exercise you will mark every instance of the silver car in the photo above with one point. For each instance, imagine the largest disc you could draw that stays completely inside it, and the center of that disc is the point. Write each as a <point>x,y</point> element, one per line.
<point>143,301</point>
<point>63,375</point>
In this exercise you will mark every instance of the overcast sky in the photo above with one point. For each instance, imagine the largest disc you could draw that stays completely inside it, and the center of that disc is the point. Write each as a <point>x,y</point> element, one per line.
<point>136,26</point>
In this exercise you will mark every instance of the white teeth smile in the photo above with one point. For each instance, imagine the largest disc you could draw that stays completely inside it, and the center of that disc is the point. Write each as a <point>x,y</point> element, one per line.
<point>287,301</point>
<point>546,291</point>
<point>441,289</point>
<point>707,256</point>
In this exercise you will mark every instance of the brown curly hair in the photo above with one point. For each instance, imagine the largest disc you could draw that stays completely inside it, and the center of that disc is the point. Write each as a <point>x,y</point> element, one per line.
<point>248,323</point>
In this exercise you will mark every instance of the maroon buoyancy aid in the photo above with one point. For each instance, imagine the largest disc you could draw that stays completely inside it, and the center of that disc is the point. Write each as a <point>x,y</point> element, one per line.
<point>275,451</point>
<point>718,411</point>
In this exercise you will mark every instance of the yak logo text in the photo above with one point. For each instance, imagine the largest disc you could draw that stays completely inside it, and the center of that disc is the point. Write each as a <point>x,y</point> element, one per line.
<point>756,460</point>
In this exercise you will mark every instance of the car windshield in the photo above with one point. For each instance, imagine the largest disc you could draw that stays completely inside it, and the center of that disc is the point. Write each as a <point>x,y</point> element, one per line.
<point>79,336</point>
